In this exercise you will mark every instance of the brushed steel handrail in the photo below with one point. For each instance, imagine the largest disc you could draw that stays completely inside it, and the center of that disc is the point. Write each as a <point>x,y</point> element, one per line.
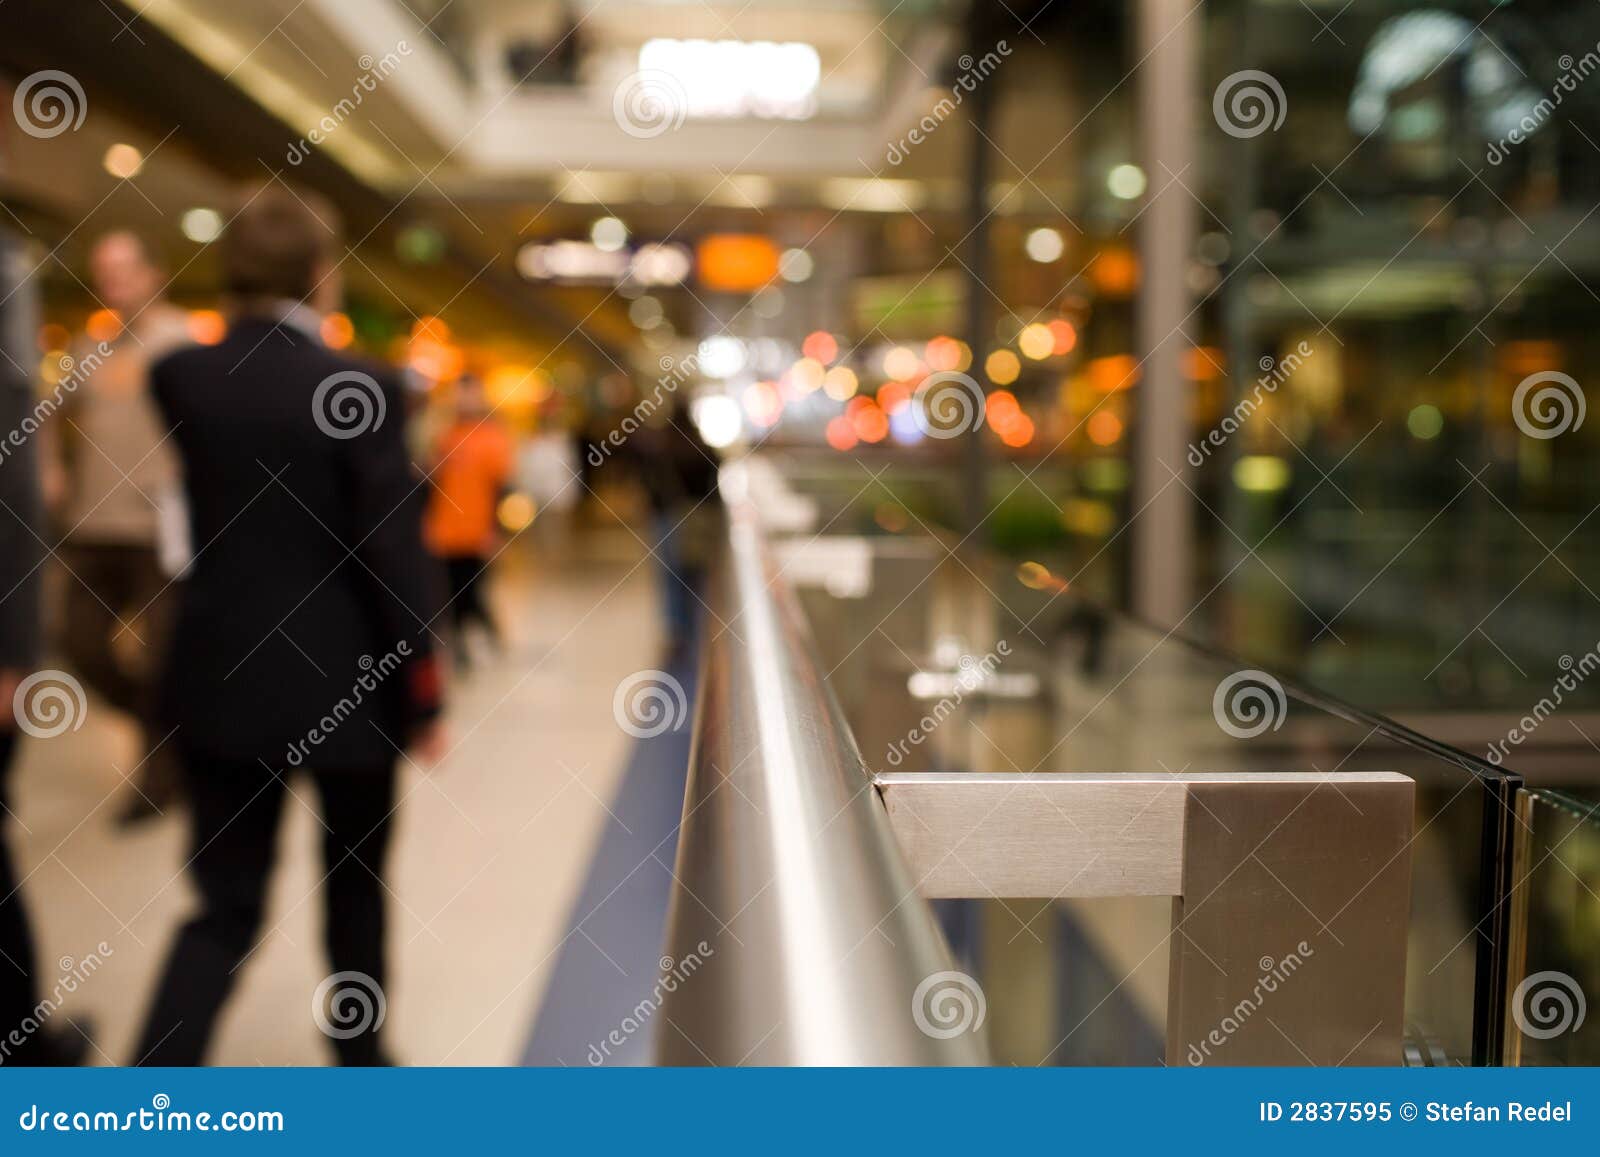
<point>808,938</point>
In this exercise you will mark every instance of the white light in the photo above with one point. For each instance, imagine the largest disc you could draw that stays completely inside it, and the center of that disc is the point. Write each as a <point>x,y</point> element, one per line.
<point>608,234</point>
<point>1126,181</point>
<point>768,303</point>
<point>569,261</point>
<point>737,78</point>
<point>720,420</point>
<point>721,356</point>
<point>796,265</point>
<point>873,194</point>
<point>1045,246</point>
<point>644,312</point>
<point>202,225</point>
<point>661,264</point>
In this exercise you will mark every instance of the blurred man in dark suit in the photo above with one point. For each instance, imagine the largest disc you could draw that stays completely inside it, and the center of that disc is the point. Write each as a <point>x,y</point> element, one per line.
<point>302,637</point>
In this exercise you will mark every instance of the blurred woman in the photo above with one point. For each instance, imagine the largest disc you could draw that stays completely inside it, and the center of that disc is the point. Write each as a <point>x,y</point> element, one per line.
<point>472,462</point>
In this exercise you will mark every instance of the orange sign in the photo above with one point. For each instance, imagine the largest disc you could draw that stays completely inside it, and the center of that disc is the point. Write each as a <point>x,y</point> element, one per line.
<point>736,262</point>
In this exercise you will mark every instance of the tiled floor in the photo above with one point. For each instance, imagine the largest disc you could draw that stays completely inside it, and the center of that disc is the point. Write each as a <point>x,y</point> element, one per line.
<point>489,853</point>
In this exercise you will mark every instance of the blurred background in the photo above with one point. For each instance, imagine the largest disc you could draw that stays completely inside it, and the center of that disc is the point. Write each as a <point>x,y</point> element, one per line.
<point>1264,320</point>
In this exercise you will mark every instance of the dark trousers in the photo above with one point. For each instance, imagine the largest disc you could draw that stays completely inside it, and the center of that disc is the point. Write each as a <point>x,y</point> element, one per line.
<point>465,574</point>
<point>234,812</point>
<point>18,994</point>
<point>111,584</point>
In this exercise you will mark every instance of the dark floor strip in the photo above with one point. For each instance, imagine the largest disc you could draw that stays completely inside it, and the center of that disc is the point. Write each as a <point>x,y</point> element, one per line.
<point>591,1013</point>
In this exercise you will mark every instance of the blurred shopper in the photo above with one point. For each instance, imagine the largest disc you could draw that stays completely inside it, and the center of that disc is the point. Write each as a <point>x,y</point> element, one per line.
<point>471,463</point>
<point>301,639</point>
<point>20,558</point>
<point>111,476</point>
<point>679,473</point>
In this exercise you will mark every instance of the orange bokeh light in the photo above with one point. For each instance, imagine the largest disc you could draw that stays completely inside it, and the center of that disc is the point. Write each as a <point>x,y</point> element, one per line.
<point>53,337</point>
<point>1202,363</point>
<point>207,326</point>
<point>430,329</point>
<point>870,423</point>
<point>104,325</point>
<point>1113,373</point>
<point>841,434</point>
<point>1115,272</point>
<point>820,346</point>
<point>1065,334</point>
<point>337,332</point>
<point>892,396</point>
<point>1104,428</point>
<point>1001,408</point>
<point>942,353</point>
<point>1018,432</point>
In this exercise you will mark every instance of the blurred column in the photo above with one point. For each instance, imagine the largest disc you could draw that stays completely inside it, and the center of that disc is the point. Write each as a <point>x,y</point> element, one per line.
<point>980,111</point>
<point>1168,44</point>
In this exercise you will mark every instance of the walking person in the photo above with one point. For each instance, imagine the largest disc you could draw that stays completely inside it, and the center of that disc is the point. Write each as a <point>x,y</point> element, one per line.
<point>301,641</point>
<point>472,462</point>
<point>111,476</point>
<point>679,474</point>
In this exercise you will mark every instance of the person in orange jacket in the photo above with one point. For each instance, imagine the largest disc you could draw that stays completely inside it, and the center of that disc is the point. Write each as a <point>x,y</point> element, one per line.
<point>472,464</point>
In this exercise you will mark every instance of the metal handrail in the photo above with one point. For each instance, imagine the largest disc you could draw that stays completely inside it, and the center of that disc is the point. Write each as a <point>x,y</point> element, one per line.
<point>808,938</point>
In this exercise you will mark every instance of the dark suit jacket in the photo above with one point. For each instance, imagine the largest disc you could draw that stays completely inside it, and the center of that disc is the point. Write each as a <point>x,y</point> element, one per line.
<point>20,546</point>
<point>301,636</point>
